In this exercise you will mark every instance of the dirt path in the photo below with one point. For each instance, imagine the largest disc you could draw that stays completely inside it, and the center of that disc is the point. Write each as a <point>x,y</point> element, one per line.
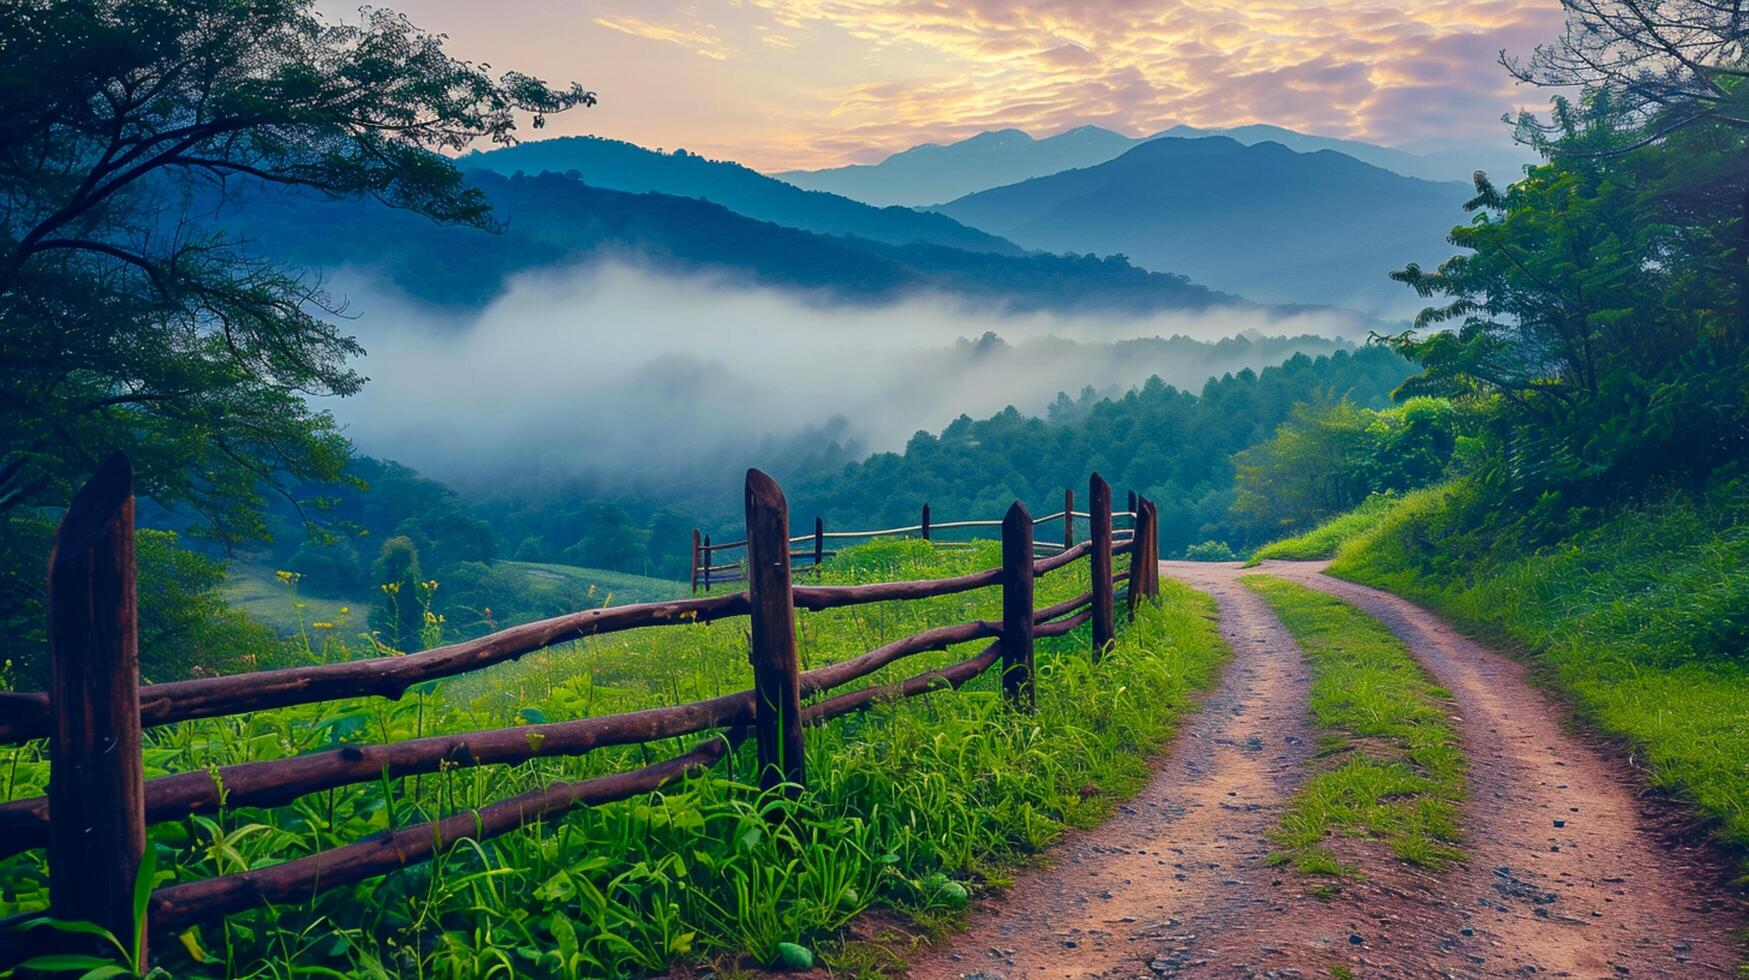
<point>1177,884</point>
<point>1567,872</point>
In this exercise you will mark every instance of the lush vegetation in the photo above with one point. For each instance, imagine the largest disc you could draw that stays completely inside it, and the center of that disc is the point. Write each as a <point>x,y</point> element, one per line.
<point>1174,446</point>
<point>1392,769</point>
<point>1324,540</point>
<point>1328,457</point>
<point>909,805</point>
<point>1639,618</point>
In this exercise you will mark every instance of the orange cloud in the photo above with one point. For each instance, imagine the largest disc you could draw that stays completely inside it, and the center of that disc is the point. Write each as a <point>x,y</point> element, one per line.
<point>807,83</point>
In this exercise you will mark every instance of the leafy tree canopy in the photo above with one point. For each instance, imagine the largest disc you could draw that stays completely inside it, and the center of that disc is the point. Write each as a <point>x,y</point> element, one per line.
<point>125,319</point>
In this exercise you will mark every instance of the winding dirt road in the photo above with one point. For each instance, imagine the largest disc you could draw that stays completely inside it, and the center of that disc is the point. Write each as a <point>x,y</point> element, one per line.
<point>1568,874</point>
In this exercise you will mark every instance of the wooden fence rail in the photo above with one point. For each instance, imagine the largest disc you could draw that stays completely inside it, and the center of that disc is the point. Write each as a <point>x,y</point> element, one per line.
<point>93,821</point>
<point>708,568</point>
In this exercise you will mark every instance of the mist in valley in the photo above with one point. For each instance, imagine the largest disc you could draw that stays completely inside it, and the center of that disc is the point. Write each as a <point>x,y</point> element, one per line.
<point>615,370</point>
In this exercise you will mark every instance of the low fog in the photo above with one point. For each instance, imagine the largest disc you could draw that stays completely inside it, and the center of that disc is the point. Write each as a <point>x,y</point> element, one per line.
<point>610,368</point>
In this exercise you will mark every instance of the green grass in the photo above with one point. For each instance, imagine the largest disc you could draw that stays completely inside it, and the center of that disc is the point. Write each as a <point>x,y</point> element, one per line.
<point>1641,621</point>
<point>902,801</point>
<point>529,591</point>
<point>1395,771</point>
<point>257,591</point>
<point>1324,540</point>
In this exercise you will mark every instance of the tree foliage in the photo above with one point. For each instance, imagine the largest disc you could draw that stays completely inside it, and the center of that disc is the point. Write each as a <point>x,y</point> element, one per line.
<point>1602,316</point>
<point>1331,456</point>
<point>126,318</point>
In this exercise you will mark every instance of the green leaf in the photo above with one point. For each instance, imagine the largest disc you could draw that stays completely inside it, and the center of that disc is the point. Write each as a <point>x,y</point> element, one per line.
<point>64,963</point>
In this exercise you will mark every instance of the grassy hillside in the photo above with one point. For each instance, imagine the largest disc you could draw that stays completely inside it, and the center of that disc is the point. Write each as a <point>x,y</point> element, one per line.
<point>256,590</point>
<point>1642,619</point>
<point>1327,538</point>
<point>523,591</point>
<point>909,805</point>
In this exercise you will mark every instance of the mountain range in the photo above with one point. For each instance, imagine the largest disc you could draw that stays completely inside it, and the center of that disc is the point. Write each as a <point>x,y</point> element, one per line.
<point>620,166</point>
<point>1263,221</point>
<point>932,174</point>
<point>553,220</point>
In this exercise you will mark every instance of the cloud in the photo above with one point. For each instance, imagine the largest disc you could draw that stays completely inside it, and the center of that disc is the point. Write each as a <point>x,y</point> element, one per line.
<point>702,44</point>
<point>1337,68</point>
<point>614,369</point>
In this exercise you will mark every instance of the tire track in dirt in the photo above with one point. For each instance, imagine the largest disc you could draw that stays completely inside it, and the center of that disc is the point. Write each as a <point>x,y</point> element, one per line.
<point>1566,873</point>
<point>1176,883</point>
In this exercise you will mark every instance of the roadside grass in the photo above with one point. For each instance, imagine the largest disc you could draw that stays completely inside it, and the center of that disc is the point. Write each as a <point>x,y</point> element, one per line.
<point>1324,540</point>
<point>1641,621</point>
<point>1396,772</point>
<point>909,806</point>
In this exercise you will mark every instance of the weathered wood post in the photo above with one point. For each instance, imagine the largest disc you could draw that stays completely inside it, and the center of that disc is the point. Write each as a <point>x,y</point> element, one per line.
<point>695,561</point>
<point>777,710</point>
<point>1141,557</point>
<point>1069,518</point>
<point>1017,607</point>
<point>1099,504</point>
<point>819,544</point>
<point>1149,542</point>
<point>707,563</point>
<point>96,777</point>
<point>926,522</point>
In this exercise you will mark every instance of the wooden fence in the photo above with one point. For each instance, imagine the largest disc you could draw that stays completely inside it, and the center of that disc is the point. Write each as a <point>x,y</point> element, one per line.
<point>725,562</point>
<point>93,820</point>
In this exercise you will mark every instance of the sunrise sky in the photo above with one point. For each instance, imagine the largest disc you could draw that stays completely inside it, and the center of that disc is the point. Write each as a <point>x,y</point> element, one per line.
<point>779,84</point>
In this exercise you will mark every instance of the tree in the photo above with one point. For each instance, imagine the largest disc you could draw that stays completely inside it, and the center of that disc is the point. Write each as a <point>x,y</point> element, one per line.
<point>1665,64</point>
<point>128,320</point>
<point>1600,316</point>
<point>398,617</point>
<point>1331,456</point>
<point>1656,68</point>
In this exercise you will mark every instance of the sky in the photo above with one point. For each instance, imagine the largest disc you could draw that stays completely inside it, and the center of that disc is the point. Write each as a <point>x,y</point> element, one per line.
<point>781,84</point>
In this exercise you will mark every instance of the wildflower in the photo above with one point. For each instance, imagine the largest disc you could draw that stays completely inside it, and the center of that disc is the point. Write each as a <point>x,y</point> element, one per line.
<point>285,576</point>
<point>391,588</point>
<point>324,625</point>
<point>345,609</point>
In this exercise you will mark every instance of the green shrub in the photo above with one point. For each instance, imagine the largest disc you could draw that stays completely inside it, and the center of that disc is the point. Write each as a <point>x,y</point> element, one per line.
<point>1209,551</point>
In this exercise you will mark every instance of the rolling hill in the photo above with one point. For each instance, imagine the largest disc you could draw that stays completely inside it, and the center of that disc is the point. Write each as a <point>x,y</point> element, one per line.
<point>930,174</point>
<point>1263,221</point>
<point>620,166</point>
<point>553,220</point>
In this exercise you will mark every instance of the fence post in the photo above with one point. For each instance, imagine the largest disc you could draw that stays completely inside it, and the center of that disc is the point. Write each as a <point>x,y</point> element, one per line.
<point>1147,549</point>
<point>1099,504</point>
<point>777,711</point>
<point>695,561</point>
<point>707,563</point>
<point>819,544</point>
<point>1017,607</point>
<point>1132,507</point>
<point>96,778</point>
<point>1140,561</point>
<point>1069,518</point>
<point>926,522</point>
